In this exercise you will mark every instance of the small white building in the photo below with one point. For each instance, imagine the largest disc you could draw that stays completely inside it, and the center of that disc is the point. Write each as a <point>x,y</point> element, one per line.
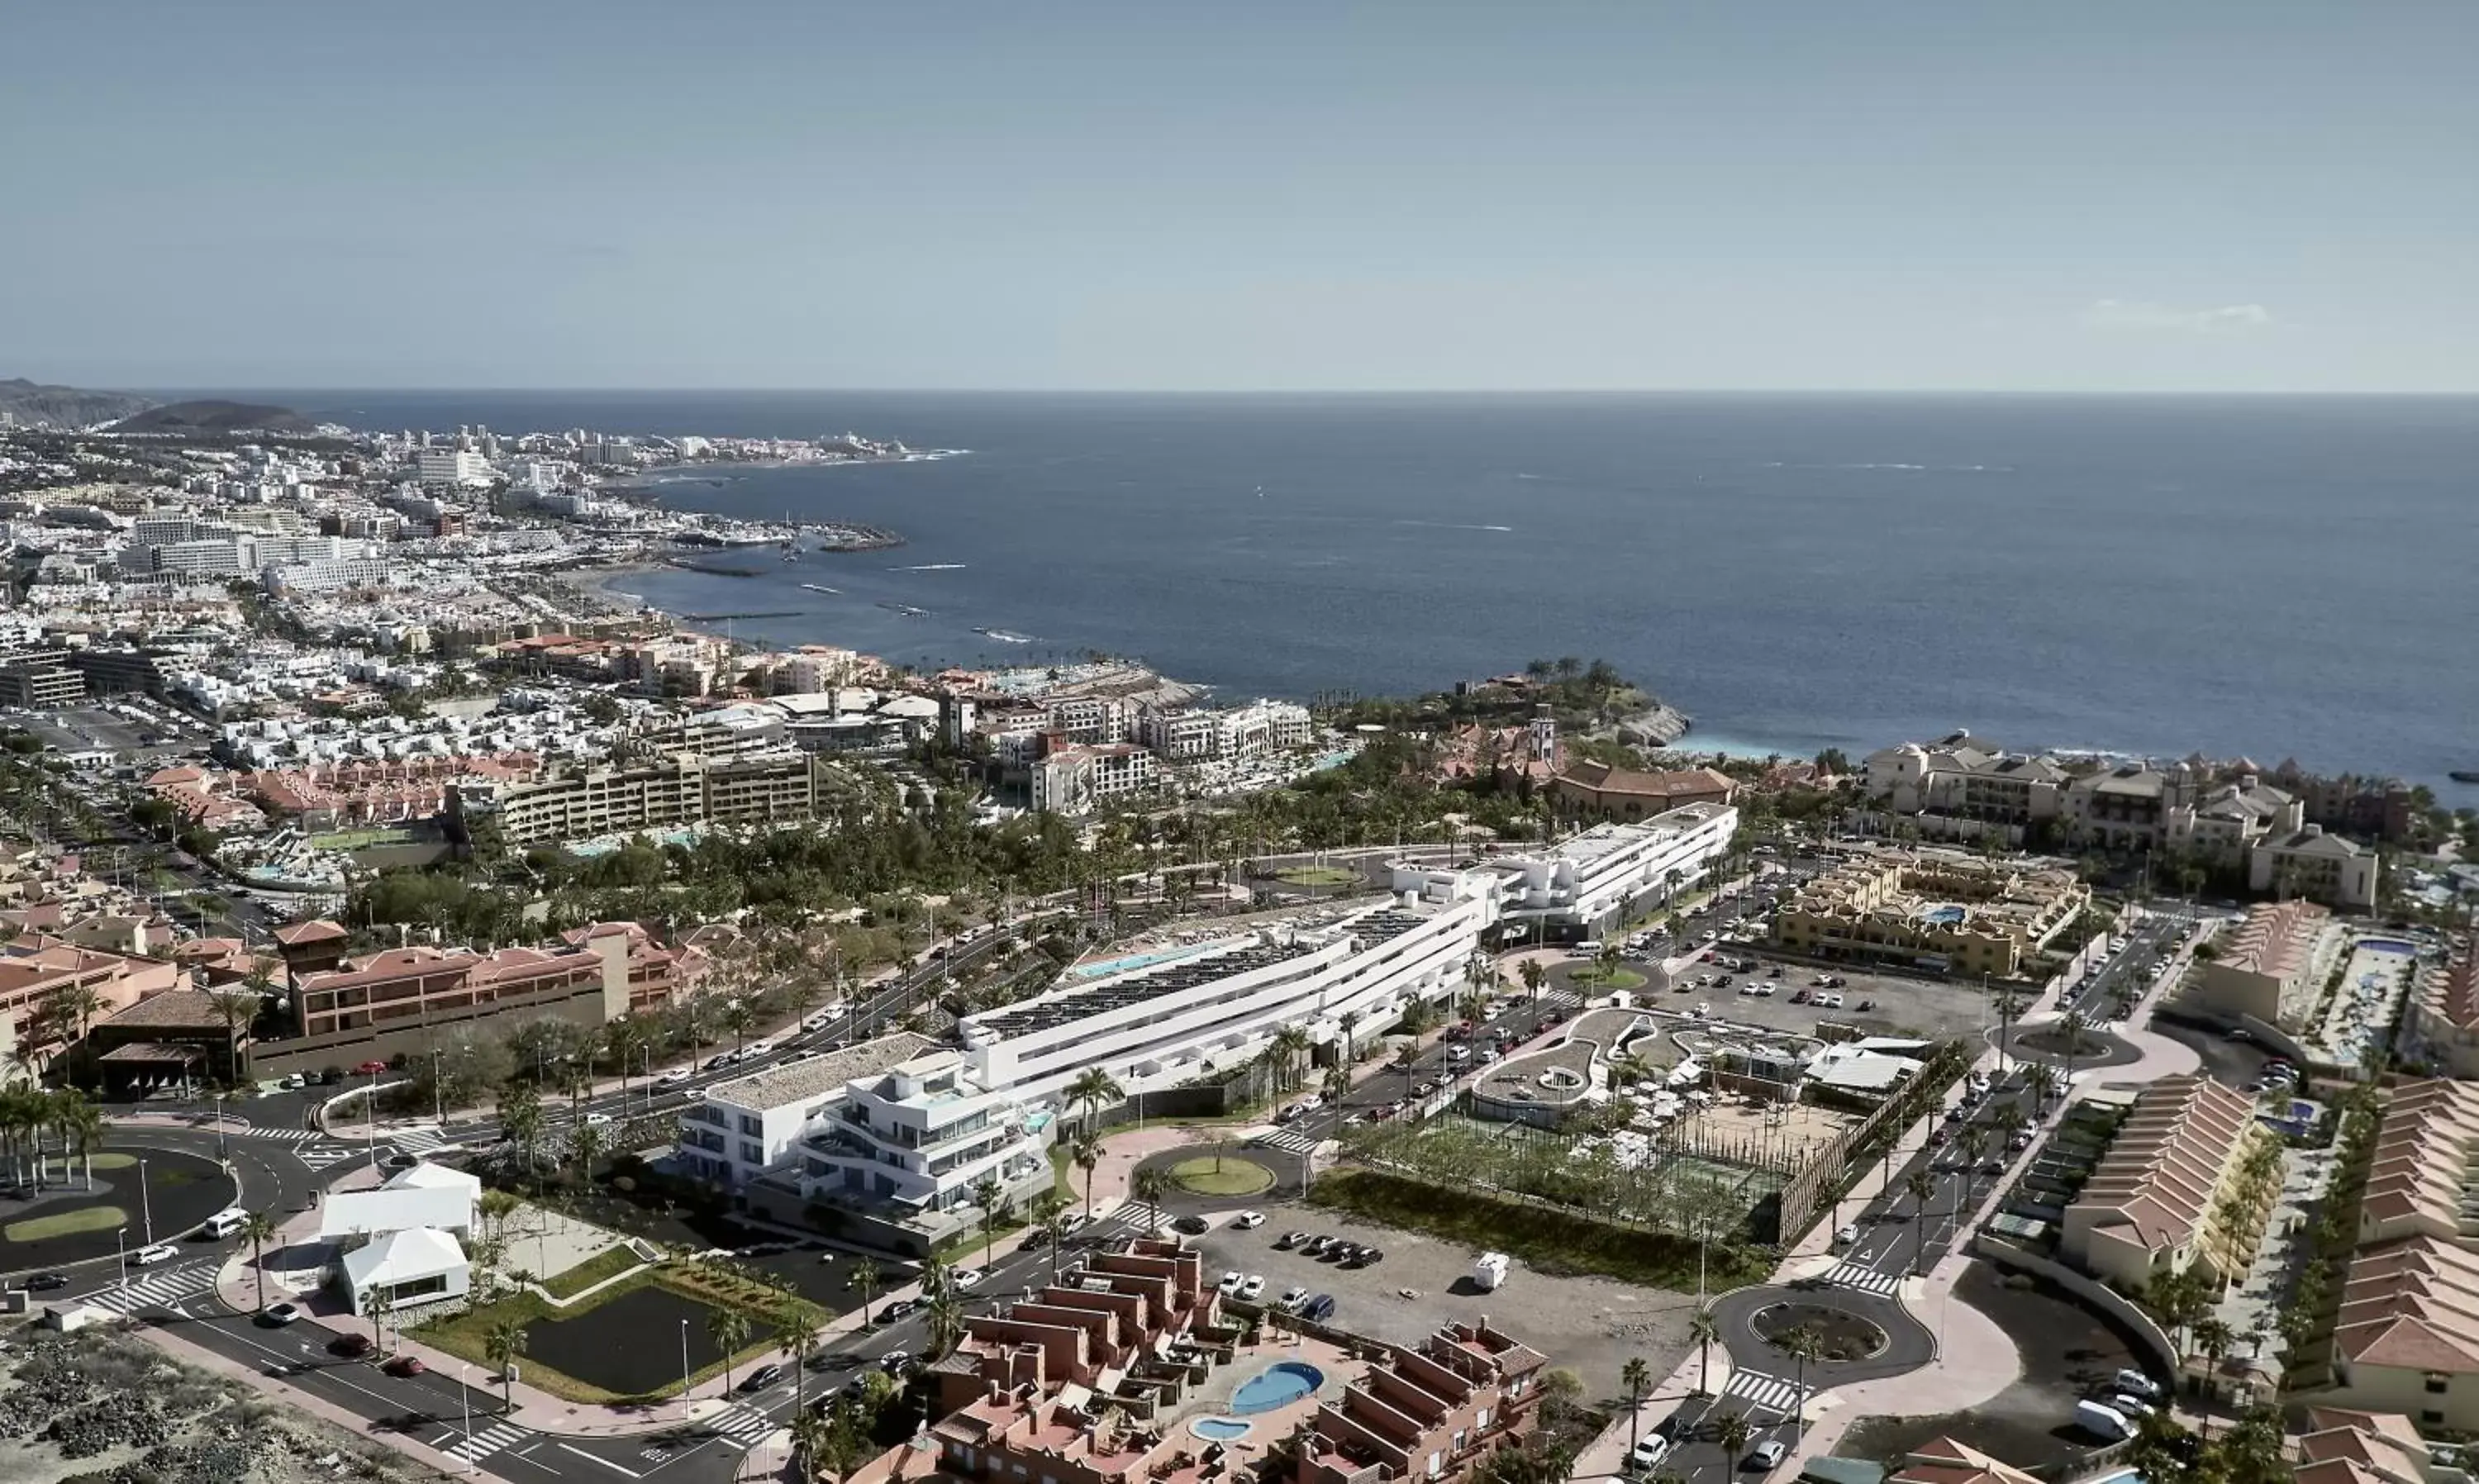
<point>741,1129</point>
<point>404,1242</point>
<point>421,1266</point>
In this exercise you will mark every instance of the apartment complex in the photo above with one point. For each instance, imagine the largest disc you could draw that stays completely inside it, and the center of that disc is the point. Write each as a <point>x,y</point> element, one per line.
<point>1589,882</point>
<point>1596,788</point>
<point>1111,1314</point>
<point>1958,778</point>
<point>595,975</point>
<point>1937,911</point>
<point>2174,1192</point>
<point>2407,1337</point>
<point>2442,1019</point>
<point>2273,966</point>
<point>2308,862</point>
<point>1074,778</point>
<point>1431,1411</point>
<point>38,969</point>
<point>677,791</point>
<point>1161,1023</point>
<point>1200,734</point>
<point>741,1129</point>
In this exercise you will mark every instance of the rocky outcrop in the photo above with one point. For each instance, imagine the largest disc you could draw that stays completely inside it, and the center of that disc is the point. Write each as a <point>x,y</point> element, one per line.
<point>215,416</point>
<point>1659,727</point>
<point>32,404</point>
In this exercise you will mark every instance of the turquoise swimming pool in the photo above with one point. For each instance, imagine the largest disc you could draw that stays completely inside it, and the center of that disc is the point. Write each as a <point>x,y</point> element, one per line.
<point>1278,1384</point>
<point>1219,1429</point>
<point>1110,966</point>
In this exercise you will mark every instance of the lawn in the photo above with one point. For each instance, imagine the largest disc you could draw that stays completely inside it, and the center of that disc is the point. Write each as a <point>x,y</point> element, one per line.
<point>610,1262</point>
<point>110,1158</point>
<point>1610,979</point>
<point>1315,876</point>
<point>67,1223</point>
<point>1224,1175</point>
<point>1552,1240</point>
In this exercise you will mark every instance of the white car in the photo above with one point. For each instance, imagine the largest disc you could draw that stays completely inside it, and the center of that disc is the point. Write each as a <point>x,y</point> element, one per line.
<point>1229,1287</point>
<point>161,1252</point>
<point>758,1049</point>
<point>597,1120</point>
<point>1253,1288</point>
<point>1848,1235</point>
<point>1292,1298</point>
<point>1648,1454</point>
<point>674,1077</point>
<point>1248,1220</point>
<point>967,1277</point>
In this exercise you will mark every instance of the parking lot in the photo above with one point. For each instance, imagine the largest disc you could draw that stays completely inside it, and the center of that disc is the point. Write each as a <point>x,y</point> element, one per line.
<point>1932,1010</point>
<point>1592,1325</point>
<point>109,726</point>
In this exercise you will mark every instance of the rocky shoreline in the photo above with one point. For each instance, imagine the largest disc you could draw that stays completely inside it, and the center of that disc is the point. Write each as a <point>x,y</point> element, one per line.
<point>1660,726</point>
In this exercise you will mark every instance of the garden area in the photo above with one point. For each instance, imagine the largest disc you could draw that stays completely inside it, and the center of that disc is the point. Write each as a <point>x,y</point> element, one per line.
<point>1317,875</point>
<point>1221,1175</point>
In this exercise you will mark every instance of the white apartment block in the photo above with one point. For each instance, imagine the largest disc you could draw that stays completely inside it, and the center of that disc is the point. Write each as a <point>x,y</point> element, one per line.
<point>918,1137</point>
<point>450,466</point>
<point>2307,862</point>
<point>1090,718</point>
<point>740,1129</point>
<point>1588,883</point>
<point>1160,1024</point>
<point>1074,780</point>
<point>1239,731</point>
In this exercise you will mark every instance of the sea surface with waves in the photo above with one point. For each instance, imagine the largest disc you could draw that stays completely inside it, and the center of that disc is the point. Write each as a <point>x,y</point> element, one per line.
<point>2275,576</point>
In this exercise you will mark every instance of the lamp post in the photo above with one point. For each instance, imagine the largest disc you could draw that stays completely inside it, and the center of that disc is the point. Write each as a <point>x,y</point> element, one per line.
<point>372,1111</point>
<point>465,1391</point>
<point>685,1360</point>
<point>145,1205</point>
<point>120,1245</point>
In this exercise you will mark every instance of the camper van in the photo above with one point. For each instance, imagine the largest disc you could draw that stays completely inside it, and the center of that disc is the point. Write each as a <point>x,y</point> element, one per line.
<point>1488,1271</point>
<point>223,1224</point>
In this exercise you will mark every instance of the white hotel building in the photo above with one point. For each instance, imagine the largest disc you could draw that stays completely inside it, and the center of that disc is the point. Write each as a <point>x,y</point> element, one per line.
<point>1584,885</point>
<point>1166,1023</point>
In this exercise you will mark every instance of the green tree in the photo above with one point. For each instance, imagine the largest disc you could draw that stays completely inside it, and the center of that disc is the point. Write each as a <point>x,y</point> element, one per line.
<point>797,1332</point>
<point>1704,1329</point>
<point>1735,1433</point>
<point>502,1343</point>
<point>1637,1377</point>
<point>259,1228</point>
<point>1086,1152</point>
<point>992,1197</point>
<point>1150,1185</point>
<point>728,1329</point>
<point>1093,1090</point>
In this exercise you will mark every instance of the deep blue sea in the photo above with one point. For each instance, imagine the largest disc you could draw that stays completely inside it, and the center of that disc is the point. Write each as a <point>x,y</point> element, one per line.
<point>2273,576</point>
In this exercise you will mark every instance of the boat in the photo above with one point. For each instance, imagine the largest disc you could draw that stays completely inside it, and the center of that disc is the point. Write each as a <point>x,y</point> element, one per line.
<point>2464,775</point>
<point>907,609</point>
<point>821,587</point>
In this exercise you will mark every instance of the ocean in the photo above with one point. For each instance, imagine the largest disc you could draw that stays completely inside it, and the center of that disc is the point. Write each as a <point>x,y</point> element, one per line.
<point>2273,576</point>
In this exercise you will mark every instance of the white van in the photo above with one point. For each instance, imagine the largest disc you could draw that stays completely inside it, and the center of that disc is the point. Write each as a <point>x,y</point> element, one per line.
<point>223,1224</point>
<point>1589,948</point>
<point>2101,1421</point>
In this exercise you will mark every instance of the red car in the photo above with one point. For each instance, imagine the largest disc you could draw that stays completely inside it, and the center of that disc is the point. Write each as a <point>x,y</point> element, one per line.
<point>370,1068</point>
<point>405,1366</point>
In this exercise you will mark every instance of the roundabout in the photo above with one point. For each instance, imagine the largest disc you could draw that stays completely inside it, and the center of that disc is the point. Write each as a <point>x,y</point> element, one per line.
<point>1864,1335</point>
<point>1840,1334</point>
<point>1221,1177</point>
<point>2046,1043</point>
<point>137,1195</point>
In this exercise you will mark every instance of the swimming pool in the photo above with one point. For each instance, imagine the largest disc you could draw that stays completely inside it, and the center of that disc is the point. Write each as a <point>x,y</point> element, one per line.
<point>1219,1429</point>
<point>2386,945</point>
<point>1944,914</point>
<point>1278,1384</point>
<point>1134,961</point>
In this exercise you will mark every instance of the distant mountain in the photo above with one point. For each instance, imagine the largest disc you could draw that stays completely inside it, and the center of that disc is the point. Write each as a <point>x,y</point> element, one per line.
<point>35,405</point>
<point>215,416</point>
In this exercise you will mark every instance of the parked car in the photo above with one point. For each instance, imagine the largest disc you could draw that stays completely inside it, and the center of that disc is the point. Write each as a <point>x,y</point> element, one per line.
<point>1248,1220</point>
<point>760,1379</point>
<point>893,1362</point>
<point>2136,1383</point>
<point>1849,1234</point>
<point>1292,1298</point>
<point>352,1345</point>
<point>1767,1456</point>
<point>1290,1239</point>
<point>1648,1454</point>
<point>370,1069</point>
<point>1230,1284</point>
<point>1252,1287</point>
<point>1320,1308</point>
<point>899,1309</point>
<point>1365,1257</point>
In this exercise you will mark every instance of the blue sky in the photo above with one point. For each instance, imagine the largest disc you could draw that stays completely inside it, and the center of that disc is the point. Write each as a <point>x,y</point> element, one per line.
<point>2219,194</point>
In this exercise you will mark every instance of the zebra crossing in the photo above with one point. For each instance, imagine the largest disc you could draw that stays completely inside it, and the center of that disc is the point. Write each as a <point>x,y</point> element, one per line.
<point>420,1142</point>
<point>474,1446</point>
<point>741,1427</point>
<point>1289,1141</point>
<point>1774,1393</point>
<point>1867,1280</point>
<point>158,1288</point>
<point>287,1136</point>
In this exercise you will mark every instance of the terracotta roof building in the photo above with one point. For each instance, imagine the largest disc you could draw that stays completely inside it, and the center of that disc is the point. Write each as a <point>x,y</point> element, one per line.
<point>2442,1024</point>
<point>1951,1461</point>
<point>2171,1191</point>
<point>1588,787</point>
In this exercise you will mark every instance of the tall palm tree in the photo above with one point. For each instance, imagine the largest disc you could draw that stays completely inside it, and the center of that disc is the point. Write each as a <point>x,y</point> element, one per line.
<point>1348,1020</point>
<point>1704,1329</point>
<point>1917,1186</point>
<point>502,1345</point>
<point>2216,1340</point>
<point>1290,1048</point>
<point>1093,1090</point>
<point>728,1328</point>
<point>1086,1151</point>
<point>585,1146</point>
<point>1150,1185</point>
<point>1735,1433</point>
<point>1637,1377</point>
<point>992,1197</point>
<point>81,1128</point>
<point>629,1039</point>
<point>1801,1343</point>
<point>739,1017</point>
<point>1534,976</point>
<point>942,1314</point>
<point>797,1332</point>
<point>866,1275</point>
<point>258,1226</point>
<point>1407,1060</point>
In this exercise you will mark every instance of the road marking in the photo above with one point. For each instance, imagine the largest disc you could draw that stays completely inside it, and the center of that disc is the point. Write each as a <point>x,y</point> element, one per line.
<point>536,1462</point>
<point>593,1458</point>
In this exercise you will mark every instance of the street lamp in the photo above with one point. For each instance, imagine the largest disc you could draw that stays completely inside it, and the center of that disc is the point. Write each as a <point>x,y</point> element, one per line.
<point>465,1390</point>
<point>120,1244</point>
<point>145,1206</point>
<point>685,1360</point>
<point>372,1128</point>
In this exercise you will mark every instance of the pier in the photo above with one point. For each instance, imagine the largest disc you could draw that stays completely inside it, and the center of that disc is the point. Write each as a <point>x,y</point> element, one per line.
<point>719,618</point>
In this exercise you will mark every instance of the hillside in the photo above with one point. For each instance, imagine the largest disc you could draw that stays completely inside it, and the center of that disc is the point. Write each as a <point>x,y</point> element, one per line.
<point>215,416</point>
<point>33,404</point>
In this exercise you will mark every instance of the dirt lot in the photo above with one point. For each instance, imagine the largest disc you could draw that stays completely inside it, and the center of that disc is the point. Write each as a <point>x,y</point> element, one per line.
<point>2066,1350</point>
<point>1930,1008</point>
<point>1591,1326</point>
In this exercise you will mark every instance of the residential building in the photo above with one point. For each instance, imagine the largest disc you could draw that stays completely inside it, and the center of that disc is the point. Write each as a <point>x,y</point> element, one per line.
<point>2442,1016</point>
<point>2308,862</point>
<point>1157,1024</point>
<point>1430,1412</point>
<point>35,968</point>
<point>2336,1446</point>
<point>680,790</point>
<point>2167,1197</point>
<point>1090,718</point>
<point>402,1245</point>
<point>740,1129</point>
<point>1074,778</point>
<point>2271,967</point>
<point>1596,788</point>
<point>1937,911</point>
<point>2406,1338</point>
<point>1114,1312</point>
<point>41,685</point>
<point>450,466</point>
<point>1959,778</point>
<point>2423,1165</point>
<point>1191,735</point>
<point>2134,807</point>
<point>1609,873</point>
<point>1951,1461</point>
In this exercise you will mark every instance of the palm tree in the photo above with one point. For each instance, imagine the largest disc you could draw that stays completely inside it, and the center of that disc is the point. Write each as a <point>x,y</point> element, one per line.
<point>1348,1019</point>
<point>943,1316</point>
<point>1637,1377</point>
<point>989,1196</point>
<point>1704,1329</point>
<point>1407,1060</point>
<point>1150,1185</point>
<point>502,1345</point>
<point>866,1275</point>
<point>728,1328</point>
<point>797,1332</point>
<point>586,1145</point>
<point>1086,1151</point>
<point>1534,976</point>
<point>1338,1084</point>
<point>258,1226</point>
<point>2074,1026</point>
<point>740,1017</point>
<point>1291,1049</point>
<point>627,1039</point>
<point>82,1127</point>
<point>2215,1339</point>
<point>1735,1433</point>
<point>1917,1184</point>
<point>1093,1090</point>
<point>1801,1343</point>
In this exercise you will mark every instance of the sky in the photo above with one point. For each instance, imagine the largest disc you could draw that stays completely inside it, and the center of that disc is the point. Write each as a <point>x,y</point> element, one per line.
<point>2167,196</point>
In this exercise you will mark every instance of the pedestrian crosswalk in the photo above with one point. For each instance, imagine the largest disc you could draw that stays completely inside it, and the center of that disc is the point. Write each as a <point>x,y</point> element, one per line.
<point>1289,1141</point>
<point>741,1427</point>
<point>158,1288</point>
<point>1757,1389</point>
<point>287,1136</point>
<point>420,1142</point>
<point>477,1446</point>
<point>1138,1216</point>
<point>1867,1280</point>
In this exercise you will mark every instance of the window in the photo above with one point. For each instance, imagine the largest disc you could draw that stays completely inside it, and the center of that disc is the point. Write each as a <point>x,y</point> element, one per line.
<point>2431,1418</point>
<point>751,1126</point>
<point>2436,1382</point>
<point>1435,1466</point>
<point>753,1154</point>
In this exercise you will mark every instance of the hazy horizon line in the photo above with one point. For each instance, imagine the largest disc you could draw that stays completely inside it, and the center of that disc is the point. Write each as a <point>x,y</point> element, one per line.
<point>231,390</point>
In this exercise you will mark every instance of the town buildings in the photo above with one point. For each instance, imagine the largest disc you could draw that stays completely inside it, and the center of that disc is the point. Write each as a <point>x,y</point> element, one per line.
<point>403,1244</point>
<point>2406,1335</point>
<point>1074,778</point>
<point>2170,1195</point>
<point>2443,1022</point>
<point>2272,967</point>
<point>679,790</point>
<point>1599,789</point>
<point>2309,864</point>
<point>740,1129</point>
<point>1937,911</point>
<point>1583,884</point>
<point>39,971</point>
<point>1431,1411</point>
